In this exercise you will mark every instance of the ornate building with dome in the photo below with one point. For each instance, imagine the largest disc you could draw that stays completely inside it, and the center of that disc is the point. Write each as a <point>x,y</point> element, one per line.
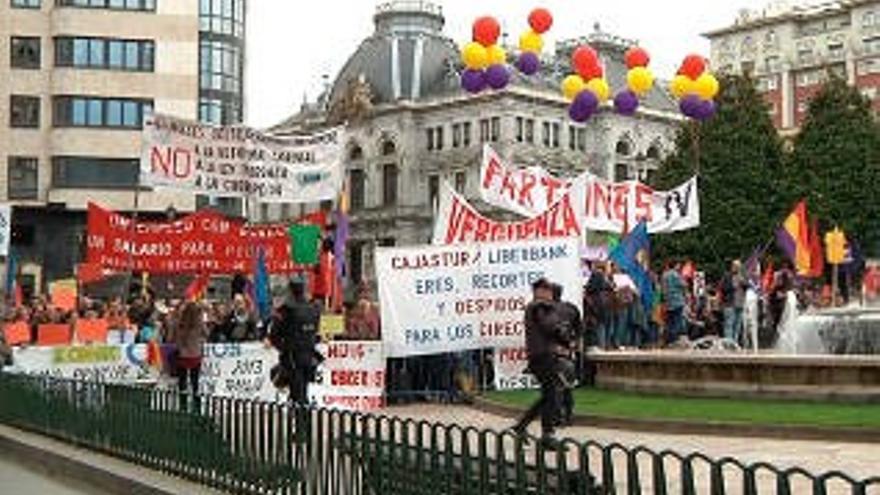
<point>411,126</point>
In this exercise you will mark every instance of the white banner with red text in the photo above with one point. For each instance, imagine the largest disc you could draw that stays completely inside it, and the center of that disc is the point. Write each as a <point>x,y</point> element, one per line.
<point>351,377</point>
<point>510,369</point>
<point>240,161</point>
<point>591,204</point>
<point>437,299</point>
<point>528,191</point>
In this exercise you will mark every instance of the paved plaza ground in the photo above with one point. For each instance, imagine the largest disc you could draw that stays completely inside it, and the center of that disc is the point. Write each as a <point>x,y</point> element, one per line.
<point>860,460</point>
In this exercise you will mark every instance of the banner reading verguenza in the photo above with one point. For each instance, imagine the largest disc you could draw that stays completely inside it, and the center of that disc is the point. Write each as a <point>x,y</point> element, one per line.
<point>240,161</point>
<point>453,298</point>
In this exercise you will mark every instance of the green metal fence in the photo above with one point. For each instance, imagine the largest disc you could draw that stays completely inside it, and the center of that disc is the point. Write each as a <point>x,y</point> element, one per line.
<point>254,447</point>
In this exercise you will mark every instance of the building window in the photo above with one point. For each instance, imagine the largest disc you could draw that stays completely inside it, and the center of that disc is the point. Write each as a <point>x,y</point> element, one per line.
<point>264,212</point>
<point>803,106</point>
<point>24,52</point>
<point>520,131</point>
<point>24,111</point>
<point>26,4</point>
<point>222,17</point>
<point>21,173</point>
<point>770,38</point>
<point>772,64</point>
<point>429,133</point>
<point>484,130</point>
<point>94,173</point>
<point>388,148</point>
<point>623,148</point>
<point>496,129</point>
<point>387,242</point>
<point>105,53</point>
<point>869,19</point>
<point>872,45</point>
<point>220,112</point>
<point>389,184</point>
<point>653,152</point>
<point>113,113</point>
<point>460,182</point>
<point>357,193</point>
<point>546,134</point>
<point>285,211</point>
<point>556,131</point>
<point>355,153</point>
<point>467,134</point>
<point>456,135</point>
<point>767,83</point>
<point>582,139</point>
<point>572,138</point>
<point>438,138</point>
<point>220,66</point>
<point>355,262</point>
<point>621,172</point>
<point>138,5</point>
<point>835,50</point>
<point>530,131</point>
<point>433,189</point>
<point>868,66</point>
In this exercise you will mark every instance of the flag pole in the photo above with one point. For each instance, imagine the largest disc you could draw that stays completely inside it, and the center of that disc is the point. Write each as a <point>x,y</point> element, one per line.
<point>131,240</point>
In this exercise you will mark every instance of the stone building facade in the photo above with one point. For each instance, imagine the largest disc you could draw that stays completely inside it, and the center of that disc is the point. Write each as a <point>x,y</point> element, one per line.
<point>411,127</point>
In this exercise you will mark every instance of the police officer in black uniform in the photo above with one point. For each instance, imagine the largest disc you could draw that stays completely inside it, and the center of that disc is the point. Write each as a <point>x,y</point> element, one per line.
<point>295,335</point>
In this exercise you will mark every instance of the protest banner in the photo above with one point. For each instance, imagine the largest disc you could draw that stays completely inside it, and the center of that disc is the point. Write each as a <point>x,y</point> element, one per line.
<point>590,204</point>
<point>5,229</point>
<point>17,333</point>
<point>437,299</point>
<point>53,334</point>
<point>91,331</point>
<point>510,370</point>
<point>527,191</point>
<point>351,377</point>
<point>239,370</point>
<point>63,294</point>
<point>109,364</point>
<point>240,161</point>
<point>203,242</point>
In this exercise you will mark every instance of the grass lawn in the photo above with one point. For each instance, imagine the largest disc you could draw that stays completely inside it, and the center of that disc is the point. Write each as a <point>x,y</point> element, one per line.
<point>744,411</point>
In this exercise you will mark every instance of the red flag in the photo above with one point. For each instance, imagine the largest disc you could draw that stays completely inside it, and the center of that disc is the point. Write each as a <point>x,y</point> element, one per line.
<point>817,255</point>
<point>196,289</point>
<point>767,279</point>
<point>87,273</point>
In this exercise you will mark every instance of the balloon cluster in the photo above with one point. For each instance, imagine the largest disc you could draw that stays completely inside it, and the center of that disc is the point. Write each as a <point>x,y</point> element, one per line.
<point>587,88</point>
<point>484,60</point>
<point>695,88</point>
<point>531,43</point>
<point>639,81</point>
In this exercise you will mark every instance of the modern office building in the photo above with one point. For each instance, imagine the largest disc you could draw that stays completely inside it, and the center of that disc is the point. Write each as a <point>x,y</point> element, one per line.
<point>791,49</point>
<point>411,126</point>
<point>76,78</point>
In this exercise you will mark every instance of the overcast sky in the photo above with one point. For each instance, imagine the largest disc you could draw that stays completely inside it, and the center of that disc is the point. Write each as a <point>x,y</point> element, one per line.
<point>291,43</point>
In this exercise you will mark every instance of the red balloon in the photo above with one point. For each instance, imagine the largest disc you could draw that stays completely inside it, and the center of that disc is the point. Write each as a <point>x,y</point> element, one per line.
<point>637,57</point>
<point>585,62</point>
<point>693,66</point>
<point>486,31</point>
<point>540,20</point>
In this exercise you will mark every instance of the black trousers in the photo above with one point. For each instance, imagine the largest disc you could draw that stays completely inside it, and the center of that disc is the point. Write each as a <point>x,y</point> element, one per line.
<point>188,377</point>
<point>549,405</point>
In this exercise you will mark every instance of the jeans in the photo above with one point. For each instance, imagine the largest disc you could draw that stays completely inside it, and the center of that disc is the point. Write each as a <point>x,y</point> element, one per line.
<point>549,406</point>
<point>733,318</point>
<point>674,323</point>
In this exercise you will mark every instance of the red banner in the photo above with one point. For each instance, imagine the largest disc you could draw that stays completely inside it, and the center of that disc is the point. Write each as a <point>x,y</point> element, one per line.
<point>204,242</point>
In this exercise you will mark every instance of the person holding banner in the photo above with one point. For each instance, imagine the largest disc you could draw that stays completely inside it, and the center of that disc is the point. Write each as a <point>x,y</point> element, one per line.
<point>189,335</point>
<point>544,347</point>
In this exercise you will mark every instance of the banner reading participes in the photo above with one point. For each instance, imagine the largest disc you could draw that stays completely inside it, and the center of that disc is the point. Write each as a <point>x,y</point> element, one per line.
<point>453,298</point>
<point>239,161</point>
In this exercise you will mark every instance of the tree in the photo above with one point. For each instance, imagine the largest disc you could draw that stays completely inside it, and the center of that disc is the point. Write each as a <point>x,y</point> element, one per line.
<point>740,166</point>
<point>835,164</point>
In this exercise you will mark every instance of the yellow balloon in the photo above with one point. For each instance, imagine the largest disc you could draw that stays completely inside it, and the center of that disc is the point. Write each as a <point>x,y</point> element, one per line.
<point>496,55</point>
<point>707,86</point>
<point>531,41</point>
<point>475,56</point>
<point>682,86</point>
<point>640,80</point>
<point>600,88</point>
<point>572,85</point>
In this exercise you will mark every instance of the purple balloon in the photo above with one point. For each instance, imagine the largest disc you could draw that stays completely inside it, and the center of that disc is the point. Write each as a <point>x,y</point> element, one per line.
<point>705,111</point>
<point>690,105</point>
<point>528,63</point>
<point>584,106</point>
<point>497,76</point>
<point>473,81</point>
<point>626,102</point>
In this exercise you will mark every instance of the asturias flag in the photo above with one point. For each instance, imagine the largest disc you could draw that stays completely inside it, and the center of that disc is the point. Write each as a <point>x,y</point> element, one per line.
<point>626,255</point>
<point>793,238</point>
